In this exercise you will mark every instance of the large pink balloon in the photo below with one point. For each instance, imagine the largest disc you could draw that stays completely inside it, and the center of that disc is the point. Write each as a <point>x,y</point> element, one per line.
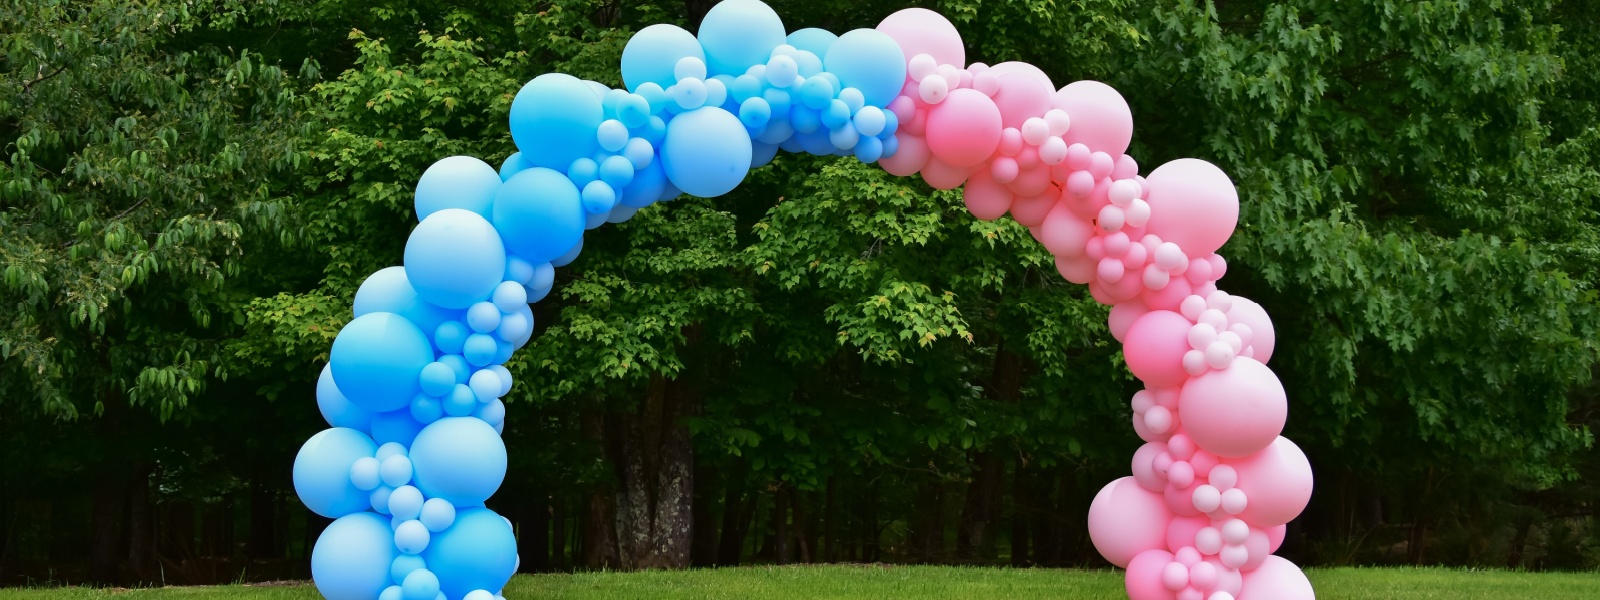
<point>1276,579</point>
<point>1077,269</point>
<point>1122,318</point>
<point>1236,411</point>
<point>1192,204</point>
<point>1007,68</point>
<point>910,158</point>
<point>986,198</point>
<point>1021,97</point>
<point>1143,579</point>
<point>1154,349</point>
<point>1170,297</point>
<point>1277,483</point>
<point>922,31</point>
<point>1030,211</point>
<point>1101,119</point>
<point>1126,519</point>
<point>964,130</point>
<point>944,176</point>
<point>1063,233</point>
<point>1263,338</point>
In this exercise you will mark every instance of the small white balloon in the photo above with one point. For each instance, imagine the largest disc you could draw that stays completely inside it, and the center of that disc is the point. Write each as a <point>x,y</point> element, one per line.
<point>1191,307</point>
<point>1155,278</point>
<point>1194,363</point>
<point>1215,318</point>
<point>1035,131</point>
<point>933,89</point>
<point>1206,498</point>
<point>1058,120</point>
<point>1169,256</point>
<point>1123,192</point>
<point>1220,300</point>
<point>1234,556</point>
<point>1111,218</point>
<point>1158,419</point>
<point>1223,477</point>
<point>1208,540</point>
<point>1232,340</point>
<point>1219,355</point>
<point>921,66</point>
<point>1053,151</point>
<point>1201,335</point>
<point>1138,213</point>
<point>1234,502</point>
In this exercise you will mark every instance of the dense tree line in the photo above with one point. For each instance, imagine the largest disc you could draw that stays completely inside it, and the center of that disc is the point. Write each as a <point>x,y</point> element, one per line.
<point>829,364</point>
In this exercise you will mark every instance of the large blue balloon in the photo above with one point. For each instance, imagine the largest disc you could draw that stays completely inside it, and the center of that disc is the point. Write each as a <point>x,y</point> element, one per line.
<point>707,151</point>
<point>477,552</point>
<point>739,34</point>
<point>377,361</point>
<point>653,53</point>
<point>868,60</point>
<point>388,290</point>
<point>460,459</point>
<point>352,557</point>
<point>395,426</point>
<point>322,472</point>
<point>540,213</point>
<point>456,182</point>
<point>336,409</point>
<point>455,258</point>
<point>646,188</point>
<point>554,119</point>
<point>813,40</point>
<point>512,165</point>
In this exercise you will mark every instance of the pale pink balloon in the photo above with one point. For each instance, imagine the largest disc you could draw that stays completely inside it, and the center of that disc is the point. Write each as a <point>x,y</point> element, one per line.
<point>1122,318</point>
<point>1125,289</point>
<point>1139,428</point>
<point>1180,532</point>
<point>1126,519</point>
<point>1076,269</point>
<point>1181,500</point>
<point>1192,204</point>
<point>1168,298</point>
<point>1228,580</point>
<point>1063,233</point>
<point>910,158</point>
<point>1099,293</point>
<point>1277,480</point>
<point>1021,97</point>
<point>1143,471</point>
<point>1030,211</point>
<point>1006,68</point>
<point>1101,118</point>
<point>1154,350</point>
<point>944,176</point>
<point>1276,579</point>
<point>1263,338</point>
<point>1143,580</point>
<point>1032,181</point>
<point>922,31</point>
<point>986,199</point>
<point>1260,546</point>
<point>964,130</point>
<point>1234,412</point>
<point>1275,537</point>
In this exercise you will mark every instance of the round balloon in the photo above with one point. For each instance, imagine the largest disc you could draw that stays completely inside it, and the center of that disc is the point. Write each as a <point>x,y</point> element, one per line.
<point>922,31</point>
<point>813,40</point>
<point>540,213</point>
<point>554,119</point>
<point>322,471</point>
<point>1276,579</point>
<point>459,459</point>
<point>1263,338</point>
<point>739,34</point>
<point>477,552</point>
<point>1276,481</point>
<point>352,557</point>
<point>336,409</point>
<point>377,361</point>
<point>1100,116</point>
<point>964,130</point>
<point>455,258</point>
<point>460,182</point>
<point>870,61</point>
<point>388,290</point>
<point>1126,519</point>
<point>1236,411</point>
<point>1154,347</point>
<point>653,53</point>
<point>1192,204</point>
<point>707,151</point>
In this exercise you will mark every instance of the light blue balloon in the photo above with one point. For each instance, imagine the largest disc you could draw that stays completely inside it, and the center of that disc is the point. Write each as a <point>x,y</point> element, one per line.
<point>450,336</point>
<point>763,153</point>
<point>336,409</point>
<point>891,124</point>
<point>805,119</point>
<point>456,182</point>
<point>322,471</point>
<point>738,34</point>
<point>639,153</point>
<point>411,537</point>
<point>583,171</point>
<point>633,111</point>
<point>459,364</point>
<point>598,198</point>
<point>813,40</point>
<point>405,503</point>
<point>836,114</point>
<point>438,514</point>
<point>707,151</point>
<point>389,449</point>
<point>420,584</point>
<point>485,385</point>
<point>554,119</point>
<point>612,135</point>
<point>870,121</point>
<point>396,426</point>
<point>483,316</point>
<point>512,165</point>
<point>396,472</point>
<point>392,592</point>
<point>540,213</point>
<point>352,557</point>
<point>518,269</point>
<point>868,60</point>
<point>890,146</point>
<point>389,290</point>
<point>816,142</point>
<point>776,132</point>
<point>617,171</point>
<point>646,187</point>
<point>869,149</point>
<point>505,378</point>
<point>593,219</point>
<point>403,565</point>
<point>480,349</point>
<point>845,137</point>
<point>377,360</point>
<point>492,412</point>
<point>478,552</point>
<point>503,350</point>
<point>516,328</point>
<point>455,258</point>
<point>509,296</point>
<point>816,92</point>
<point>460,459</point>
<point>379,499</point>
<point>479,595</point>
<point>755,113</point>
<point>426,409</point>
<point>437,378</point>
<point>653,53</point>
<point>571,254</point>
<point>459,403</point>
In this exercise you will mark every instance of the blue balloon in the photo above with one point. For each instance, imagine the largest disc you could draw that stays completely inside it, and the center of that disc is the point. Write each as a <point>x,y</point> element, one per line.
<point>388,290</point>
<point>485,385</point>
<point>554,119</point>
<point>352,557</point>
<point>480,349</point>
<point>483,316</point>
<point>459,364</point>
<point>612,135</point>
<point>738,34</point>
<point>813,40</point>
<point>870,121</point>
<point>836,114</point>
<point>396,472</point>
<point>805,119</point>
<point>653,53</point>
<point>377,360</point>
<point>755,112</point>
<point>460,402</point>
<point>871,61</point>
<point>598,199</point>
<point>816,92</point>
<point>762,154</point>
<point>420,584</point>
<point>890,146</point>
<point>646,187</point>
<point>403,565</point>
<point>322,471</point>
<point>460,182</point>
<point>437,378</point>
<point>426,409</point>
<point>707,151</point>
<point>336,409</point>
<point>510,296</point>
<point>405,503</point>
<point>411,537</point>
<point>639,153</point>
<point>455,258</point>
<point>393,592</point>
<point>617,171</point>
<point>570,255</point>
<point>540,213</point>
<point>869,149</point>
<point>395,426</point>
<point>492,412</point>
<point>512,165</point>
<point>633,111</point>
<point>583,171</point>
<point>845,137</point>
<point>438,514</point>
<point>460,459</point>
<point>516,328</point>
<point>450,336</point>
<point>478,552</point>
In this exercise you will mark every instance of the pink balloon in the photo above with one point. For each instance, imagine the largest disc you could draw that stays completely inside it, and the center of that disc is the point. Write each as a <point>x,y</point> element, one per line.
<point>1077,269</point>
<point>1228,580</point>
<point>1030,211</point>
<point>1170,297</point>
<point>944,176</point>
<point>1063,233</point>
<point>1126,519</point>
<point>1181,500</point>
<point>1234,412</point>
<point>922,31</point>
<point>1275,537</point>
<point>964,130</point>
<point>1277,481</point>
<point>1021,97</point>
<point>1276,579</point>
<point>1009,67</point>
<point>1181,531</point>
<point>1143,579</point>
<point>1154,350</point>
<point>910,158</point>
<point>986,199</point>
<point>1259,545</point>
<point>1101,118</point>
<point>1192,204</point>
<point>1143,471</point>
<point>1032,181</point>
<point>1263,338</point>
<point>1122,318</point>
<point>1125,289</point>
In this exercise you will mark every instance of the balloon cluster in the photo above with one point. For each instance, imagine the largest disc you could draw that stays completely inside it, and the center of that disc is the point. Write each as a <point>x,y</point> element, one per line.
<point>413,385</point>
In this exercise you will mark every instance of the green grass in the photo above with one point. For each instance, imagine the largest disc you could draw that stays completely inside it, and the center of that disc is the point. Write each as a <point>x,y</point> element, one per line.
<point>892,582</point>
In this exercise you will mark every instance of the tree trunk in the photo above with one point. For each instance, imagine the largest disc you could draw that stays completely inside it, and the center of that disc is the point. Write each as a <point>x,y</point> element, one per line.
<point>533,532</point>
<point>780,526</point>
<point>869,526</point>
<point>558,533</point>
<point>703,550</point>
<point>141,528</point>
<point>1046,541</point>
<point>830,523</point>
<point>106,520</point>
<point>975,538</point>
<point>263,513</point>
<point>656,463</point>
<point>600,518</point>
<point>802,524</point>
<point>927,530</point>
<point>736,512</point>
<point>1021,515</point>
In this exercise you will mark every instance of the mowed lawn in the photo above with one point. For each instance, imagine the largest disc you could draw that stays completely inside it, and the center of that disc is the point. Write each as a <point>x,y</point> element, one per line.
<point>897,582</point>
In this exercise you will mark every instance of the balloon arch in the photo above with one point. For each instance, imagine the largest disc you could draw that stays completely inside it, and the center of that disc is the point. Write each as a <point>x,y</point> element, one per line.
<point>413,385</point>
